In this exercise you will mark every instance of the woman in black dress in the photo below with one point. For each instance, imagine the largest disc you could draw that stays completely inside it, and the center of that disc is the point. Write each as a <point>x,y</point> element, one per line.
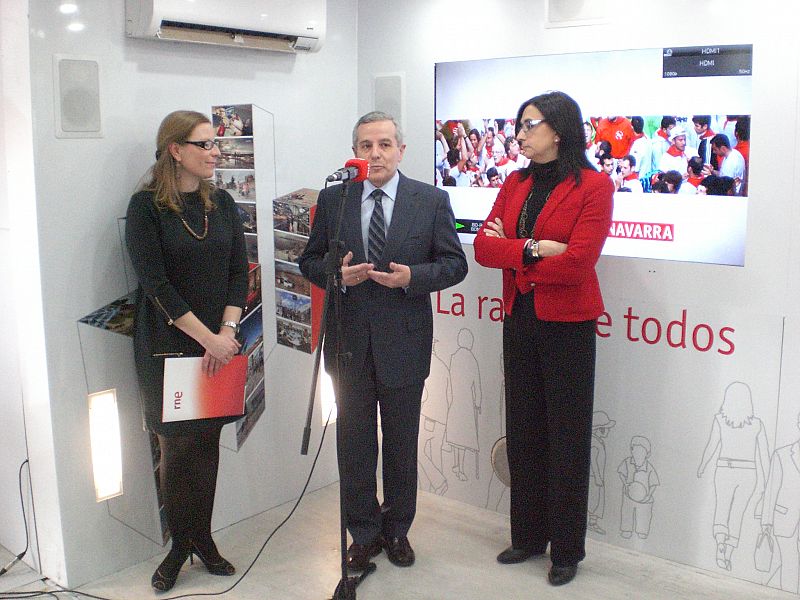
<point>187,247</point>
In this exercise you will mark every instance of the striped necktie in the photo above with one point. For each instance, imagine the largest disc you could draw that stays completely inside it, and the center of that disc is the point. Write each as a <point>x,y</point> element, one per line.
<point>377,229</point>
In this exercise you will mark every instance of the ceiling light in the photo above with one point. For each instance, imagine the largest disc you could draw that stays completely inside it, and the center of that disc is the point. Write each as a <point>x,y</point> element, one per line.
<point>76,26</point>
<point>68,8</point>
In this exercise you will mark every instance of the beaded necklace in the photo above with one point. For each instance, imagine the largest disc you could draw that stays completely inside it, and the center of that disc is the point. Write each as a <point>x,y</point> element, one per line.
<point>192,232</point>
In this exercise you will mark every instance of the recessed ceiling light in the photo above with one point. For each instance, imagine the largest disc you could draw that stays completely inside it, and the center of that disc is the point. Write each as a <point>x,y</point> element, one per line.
<point>67,8</point>
<point>76,26</point>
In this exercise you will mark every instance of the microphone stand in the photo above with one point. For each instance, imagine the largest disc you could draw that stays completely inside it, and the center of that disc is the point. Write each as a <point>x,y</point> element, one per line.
<point>346,589</point>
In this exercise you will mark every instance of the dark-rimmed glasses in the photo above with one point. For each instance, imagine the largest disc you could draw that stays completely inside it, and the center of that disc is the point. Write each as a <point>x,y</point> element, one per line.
<point>205,144</point>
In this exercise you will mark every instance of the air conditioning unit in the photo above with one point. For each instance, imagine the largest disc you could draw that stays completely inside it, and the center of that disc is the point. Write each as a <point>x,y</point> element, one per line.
<point>277,25</point>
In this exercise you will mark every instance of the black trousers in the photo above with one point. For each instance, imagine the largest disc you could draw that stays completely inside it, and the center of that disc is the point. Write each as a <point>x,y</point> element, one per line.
<point>549,377</point>
<point>188,477</point>
<point>360,396</point>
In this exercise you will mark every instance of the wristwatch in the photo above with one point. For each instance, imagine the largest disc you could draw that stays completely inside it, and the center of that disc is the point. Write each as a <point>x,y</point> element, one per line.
<point>232,324</point>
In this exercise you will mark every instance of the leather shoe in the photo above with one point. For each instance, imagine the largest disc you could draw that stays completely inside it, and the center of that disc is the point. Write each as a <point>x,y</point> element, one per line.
<point>399,551</point>
<point>511,555</point>
<point>359,555</point>
<point>562,575</point>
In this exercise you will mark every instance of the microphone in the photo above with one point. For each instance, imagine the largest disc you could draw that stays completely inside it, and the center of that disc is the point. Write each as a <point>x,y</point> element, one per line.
<point>355,169</point>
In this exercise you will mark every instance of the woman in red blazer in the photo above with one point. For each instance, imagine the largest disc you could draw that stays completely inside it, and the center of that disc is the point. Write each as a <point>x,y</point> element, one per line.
<point>546,230</point>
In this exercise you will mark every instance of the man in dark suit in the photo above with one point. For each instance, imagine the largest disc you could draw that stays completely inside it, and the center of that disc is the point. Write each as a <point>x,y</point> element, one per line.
<point>399,245</point>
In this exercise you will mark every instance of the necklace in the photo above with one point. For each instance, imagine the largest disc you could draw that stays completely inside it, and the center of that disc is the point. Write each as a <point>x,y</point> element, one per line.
<point>192,232</point>
<point>523,215</point>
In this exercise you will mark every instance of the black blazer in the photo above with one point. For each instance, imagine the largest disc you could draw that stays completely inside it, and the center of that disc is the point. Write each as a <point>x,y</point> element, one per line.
<point>397,324</point>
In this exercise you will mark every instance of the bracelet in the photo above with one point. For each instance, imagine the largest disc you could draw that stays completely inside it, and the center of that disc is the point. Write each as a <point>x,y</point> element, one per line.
<point>232,324</point>
<point>532,249</point>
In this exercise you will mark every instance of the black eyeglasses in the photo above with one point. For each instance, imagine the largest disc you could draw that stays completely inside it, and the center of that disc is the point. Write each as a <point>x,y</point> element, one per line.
<point>529,124</point>
<point>205,145</point>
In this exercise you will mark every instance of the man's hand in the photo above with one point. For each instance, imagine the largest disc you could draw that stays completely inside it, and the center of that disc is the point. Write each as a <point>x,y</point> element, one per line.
<point>357,273</point>
<point>399,277</point>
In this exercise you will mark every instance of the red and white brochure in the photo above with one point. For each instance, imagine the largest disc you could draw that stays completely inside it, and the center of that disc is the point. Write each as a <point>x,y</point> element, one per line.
<point>191,394</point>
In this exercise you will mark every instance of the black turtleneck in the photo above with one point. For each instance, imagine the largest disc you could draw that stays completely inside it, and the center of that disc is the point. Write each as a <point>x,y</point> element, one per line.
<point>545,177</point>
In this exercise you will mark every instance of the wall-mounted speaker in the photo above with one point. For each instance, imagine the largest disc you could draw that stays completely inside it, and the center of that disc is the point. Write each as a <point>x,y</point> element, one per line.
<point>389,95</point>
<point>77,97</point>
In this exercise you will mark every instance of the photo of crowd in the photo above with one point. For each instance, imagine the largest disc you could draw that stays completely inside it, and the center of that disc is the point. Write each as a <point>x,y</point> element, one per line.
<point>668,154</point>
<point>235,120</point>
<point>293,307</point>
<point>235,153</point>
<point>241,184</point>
<point>481,156</point>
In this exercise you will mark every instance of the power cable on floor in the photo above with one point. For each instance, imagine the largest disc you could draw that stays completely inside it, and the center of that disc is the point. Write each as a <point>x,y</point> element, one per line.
<point>19,556</point>
<point>54,593</point>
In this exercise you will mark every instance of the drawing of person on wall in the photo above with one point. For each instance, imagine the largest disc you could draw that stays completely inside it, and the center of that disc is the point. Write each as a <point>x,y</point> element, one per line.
<point>462,420</point>
<point>781,512</point>
<point>738,439</point>
<point>436,400</point>
<point>497,488</point>
<point>601,425</point>
<point>639,481</point>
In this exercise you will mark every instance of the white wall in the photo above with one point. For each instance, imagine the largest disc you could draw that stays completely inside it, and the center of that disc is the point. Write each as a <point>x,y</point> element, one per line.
<point>83,187</point>
<point>22,360</point>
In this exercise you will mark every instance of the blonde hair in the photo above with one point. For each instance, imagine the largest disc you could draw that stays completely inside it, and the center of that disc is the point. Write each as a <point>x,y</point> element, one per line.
<point>176,127</point>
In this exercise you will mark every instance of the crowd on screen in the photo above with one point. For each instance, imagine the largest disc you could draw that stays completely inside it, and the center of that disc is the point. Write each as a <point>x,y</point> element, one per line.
<point>698,154</point>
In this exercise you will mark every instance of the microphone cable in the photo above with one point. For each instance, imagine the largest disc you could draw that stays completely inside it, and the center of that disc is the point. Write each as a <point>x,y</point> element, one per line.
<point>19,556</point>
<point>54,593</point>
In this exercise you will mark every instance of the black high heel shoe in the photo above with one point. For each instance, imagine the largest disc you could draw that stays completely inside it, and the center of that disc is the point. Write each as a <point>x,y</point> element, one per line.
<point>167,572</point>
<point>213,561</point>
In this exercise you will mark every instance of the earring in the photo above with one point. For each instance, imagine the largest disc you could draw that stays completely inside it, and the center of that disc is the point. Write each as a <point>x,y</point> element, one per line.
<point>557,140</point>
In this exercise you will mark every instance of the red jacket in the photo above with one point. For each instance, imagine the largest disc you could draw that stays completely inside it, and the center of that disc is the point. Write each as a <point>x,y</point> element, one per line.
<point>567,288</point>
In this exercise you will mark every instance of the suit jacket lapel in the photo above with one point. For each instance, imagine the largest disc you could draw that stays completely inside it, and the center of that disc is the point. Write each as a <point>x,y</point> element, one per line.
<point>796,455</point>
<point>406,206</point>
